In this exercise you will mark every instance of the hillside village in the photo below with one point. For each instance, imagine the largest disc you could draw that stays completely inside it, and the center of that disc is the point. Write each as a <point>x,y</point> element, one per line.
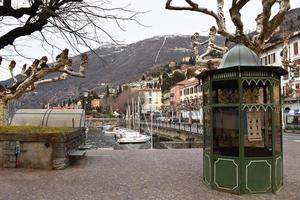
<point>174,94</point>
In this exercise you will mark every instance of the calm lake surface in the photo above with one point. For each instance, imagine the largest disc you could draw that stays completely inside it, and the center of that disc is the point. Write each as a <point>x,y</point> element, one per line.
<point>98,139</point>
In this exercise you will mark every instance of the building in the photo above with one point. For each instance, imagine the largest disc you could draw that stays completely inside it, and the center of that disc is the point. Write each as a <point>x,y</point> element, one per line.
<point>190,90</point>
<point>151,99</point>
<point>95,103</point>
<point>191,99</point>
<point>175,93</point>
<point>272,55</point>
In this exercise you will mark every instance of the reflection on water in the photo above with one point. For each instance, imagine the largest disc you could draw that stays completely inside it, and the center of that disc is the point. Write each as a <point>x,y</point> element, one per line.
<point>98,139</point>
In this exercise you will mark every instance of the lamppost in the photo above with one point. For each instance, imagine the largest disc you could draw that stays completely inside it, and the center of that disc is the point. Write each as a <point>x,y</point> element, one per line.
<point>85,94</point>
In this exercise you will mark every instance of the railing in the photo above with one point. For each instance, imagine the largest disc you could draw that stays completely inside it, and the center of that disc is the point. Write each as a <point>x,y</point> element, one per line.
<point>192,128</point>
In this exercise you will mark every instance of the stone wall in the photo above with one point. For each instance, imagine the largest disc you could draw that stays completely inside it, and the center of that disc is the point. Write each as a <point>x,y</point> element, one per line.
<point>41,150</point>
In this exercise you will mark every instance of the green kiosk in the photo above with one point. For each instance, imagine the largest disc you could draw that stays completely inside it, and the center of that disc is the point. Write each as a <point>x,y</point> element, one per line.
<point>242,124</point>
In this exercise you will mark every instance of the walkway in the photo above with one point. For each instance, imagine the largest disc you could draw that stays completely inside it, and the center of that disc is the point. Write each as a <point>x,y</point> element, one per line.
<point>136,175</point>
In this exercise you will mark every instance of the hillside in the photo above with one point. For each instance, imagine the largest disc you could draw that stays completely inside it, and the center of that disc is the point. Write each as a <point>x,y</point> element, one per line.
<point>118,64</point>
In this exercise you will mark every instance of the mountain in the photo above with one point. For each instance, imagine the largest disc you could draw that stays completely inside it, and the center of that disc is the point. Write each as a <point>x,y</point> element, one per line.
<point>117,64</point>
<point>122,63</point>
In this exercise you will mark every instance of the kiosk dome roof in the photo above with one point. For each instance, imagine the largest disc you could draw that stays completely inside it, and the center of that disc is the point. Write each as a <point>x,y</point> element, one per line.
<point>239,55</point>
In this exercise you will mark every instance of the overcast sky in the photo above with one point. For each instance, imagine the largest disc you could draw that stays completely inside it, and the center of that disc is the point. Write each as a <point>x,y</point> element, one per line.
<point>159,21</point>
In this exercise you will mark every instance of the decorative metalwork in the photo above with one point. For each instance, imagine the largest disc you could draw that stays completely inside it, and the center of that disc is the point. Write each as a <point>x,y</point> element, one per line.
<point>225,75</point>
<point>257,81</point>
<point>258,107</point>
<point>256,73</point>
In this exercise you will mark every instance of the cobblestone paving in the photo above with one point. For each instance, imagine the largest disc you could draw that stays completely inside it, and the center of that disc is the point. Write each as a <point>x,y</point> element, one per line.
<point>135,175</point>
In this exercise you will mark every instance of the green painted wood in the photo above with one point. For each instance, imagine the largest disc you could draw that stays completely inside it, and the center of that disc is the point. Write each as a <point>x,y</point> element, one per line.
<point>226,172</point>
<point>278,173</point>
<point>242,115</point>
<point>207,169</point>
<point>243,174</point>
<point>258,176</point>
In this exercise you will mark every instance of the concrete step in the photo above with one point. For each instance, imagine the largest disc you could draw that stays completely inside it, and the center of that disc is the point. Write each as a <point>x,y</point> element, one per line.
<point>78,153</point>
<point>84,147</point>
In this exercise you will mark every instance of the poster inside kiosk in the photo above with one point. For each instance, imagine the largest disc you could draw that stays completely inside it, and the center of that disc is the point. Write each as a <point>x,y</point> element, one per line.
<point>254,128</point>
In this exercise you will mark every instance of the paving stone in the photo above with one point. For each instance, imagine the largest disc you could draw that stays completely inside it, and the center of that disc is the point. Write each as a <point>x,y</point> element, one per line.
<point>136,175</point>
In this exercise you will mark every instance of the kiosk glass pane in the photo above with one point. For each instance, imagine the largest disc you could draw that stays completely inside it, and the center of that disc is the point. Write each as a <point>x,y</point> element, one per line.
<point>276,94</point>
<point>226,131</point>
<point>258,133</point>
<point>207,126</point>
<point>278,132</point>
<point>256,92</point>
<point>225,92</point>
<point>206,96</point>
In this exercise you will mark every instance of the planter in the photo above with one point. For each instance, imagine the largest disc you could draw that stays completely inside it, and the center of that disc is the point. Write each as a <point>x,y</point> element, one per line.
<point>38,150</point>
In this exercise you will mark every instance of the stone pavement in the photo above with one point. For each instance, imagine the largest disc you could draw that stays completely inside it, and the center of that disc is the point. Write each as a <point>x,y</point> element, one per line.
<point>136,175</point>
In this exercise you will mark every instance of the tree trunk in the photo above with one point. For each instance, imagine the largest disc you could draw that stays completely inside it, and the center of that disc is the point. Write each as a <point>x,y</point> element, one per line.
<point>3,112</point>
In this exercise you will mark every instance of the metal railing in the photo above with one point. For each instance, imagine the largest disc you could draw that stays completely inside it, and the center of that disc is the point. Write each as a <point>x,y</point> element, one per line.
<point>192,128</point>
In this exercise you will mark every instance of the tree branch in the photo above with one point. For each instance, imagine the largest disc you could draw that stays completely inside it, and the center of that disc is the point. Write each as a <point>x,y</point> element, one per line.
<point>193,7</point>
<point>40,69</point>
<point>219,18</point>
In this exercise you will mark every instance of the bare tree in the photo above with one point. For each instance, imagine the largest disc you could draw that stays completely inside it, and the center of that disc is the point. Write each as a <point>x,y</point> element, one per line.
<point>124,99</point>
<point>290,65</point>
<point>78,22</point>
<point>35,75</point>
<point>266,25</point>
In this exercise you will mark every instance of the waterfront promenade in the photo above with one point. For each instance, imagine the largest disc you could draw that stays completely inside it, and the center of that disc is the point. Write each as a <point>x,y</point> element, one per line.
<point>137,174</point>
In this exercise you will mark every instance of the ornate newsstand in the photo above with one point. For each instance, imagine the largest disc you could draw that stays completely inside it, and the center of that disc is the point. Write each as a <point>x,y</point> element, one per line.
<point>242,124</point>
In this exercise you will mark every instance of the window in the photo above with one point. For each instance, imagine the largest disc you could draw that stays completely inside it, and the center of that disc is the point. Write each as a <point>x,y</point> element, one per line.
<point>225,92</point>
<point>276,93</point>
<point>273,58</point>
<point>256,92</point>
<point>297,86</point>
<point>269,59</point>
<point>207,126</point>
<point>191,90</point>
<point>258,134</point>
<point>206,96</point>
<point>180,92</point>
<point>226,131</point>
<point>150,100</point>
<point>264,60</point>
<point>278,133</point>
<point>295,48</point>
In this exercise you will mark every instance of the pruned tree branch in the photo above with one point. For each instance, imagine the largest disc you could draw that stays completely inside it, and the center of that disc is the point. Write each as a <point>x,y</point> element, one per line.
<point>78,22</point>
<point>39,69</point>
<point>266,27</point>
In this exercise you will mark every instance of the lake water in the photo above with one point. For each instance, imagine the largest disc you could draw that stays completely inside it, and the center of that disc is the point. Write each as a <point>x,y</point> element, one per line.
<point>98,139</point>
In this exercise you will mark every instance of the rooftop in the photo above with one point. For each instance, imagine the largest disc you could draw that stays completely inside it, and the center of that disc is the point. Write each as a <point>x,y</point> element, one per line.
<point>239,55</point>
<point>192,80</point>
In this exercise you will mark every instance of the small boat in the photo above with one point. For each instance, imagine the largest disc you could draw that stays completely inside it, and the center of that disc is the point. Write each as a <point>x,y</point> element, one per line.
<point>129,136</point>
<point>104,127</point>
<point>114,130</point>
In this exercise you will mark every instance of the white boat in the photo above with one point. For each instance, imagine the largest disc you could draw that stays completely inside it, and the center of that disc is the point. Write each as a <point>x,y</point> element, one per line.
<point>114,130</point>
<point>104,127</point>
<point>129,136</point>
